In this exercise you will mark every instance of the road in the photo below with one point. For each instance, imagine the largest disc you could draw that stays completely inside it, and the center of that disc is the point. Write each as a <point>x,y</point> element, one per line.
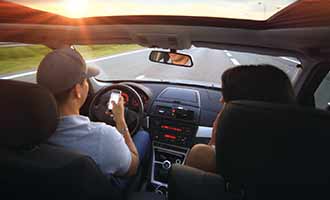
<point>208,66</point>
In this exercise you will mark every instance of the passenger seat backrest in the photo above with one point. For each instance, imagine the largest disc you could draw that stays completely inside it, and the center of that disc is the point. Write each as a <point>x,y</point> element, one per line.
<point>49,172</point>
<point>28,114</point>
<point>274,151</point>
<point>32,170</point>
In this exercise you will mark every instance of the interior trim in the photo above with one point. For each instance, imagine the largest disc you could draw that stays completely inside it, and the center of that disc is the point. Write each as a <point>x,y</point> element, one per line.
<point>204,132</point>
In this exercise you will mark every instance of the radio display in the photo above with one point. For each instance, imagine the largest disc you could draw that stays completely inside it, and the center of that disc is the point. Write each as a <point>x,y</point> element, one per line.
<point>173,132</point>
<point>171,128</point>
<point>168,136</point>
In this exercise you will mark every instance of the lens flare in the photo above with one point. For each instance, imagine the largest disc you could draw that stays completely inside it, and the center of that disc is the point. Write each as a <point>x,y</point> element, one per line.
<point>76,8</point>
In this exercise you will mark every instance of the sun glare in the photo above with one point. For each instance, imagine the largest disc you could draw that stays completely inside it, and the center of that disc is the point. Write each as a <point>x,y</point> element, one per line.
<point>76,8</point>
<point>248,9</point>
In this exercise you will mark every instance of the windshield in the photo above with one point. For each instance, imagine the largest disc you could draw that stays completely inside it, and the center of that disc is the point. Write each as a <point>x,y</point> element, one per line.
<point>235,9</point>
<point>131,62</point>
<point>208,64</point>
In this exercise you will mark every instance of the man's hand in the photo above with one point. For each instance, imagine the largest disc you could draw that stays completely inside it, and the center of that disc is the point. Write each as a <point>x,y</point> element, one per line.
<point>118,110</point>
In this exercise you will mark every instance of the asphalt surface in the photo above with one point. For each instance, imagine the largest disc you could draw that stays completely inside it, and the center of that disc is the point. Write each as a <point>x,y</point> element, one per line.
<point>208,66</point>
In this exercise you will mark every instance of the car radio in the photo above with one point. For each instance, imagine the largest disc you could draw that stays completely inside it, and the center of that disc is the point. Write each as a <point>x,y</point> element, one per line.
<point>173,133</point>
<point>175,112</point>
<point>174,123</point>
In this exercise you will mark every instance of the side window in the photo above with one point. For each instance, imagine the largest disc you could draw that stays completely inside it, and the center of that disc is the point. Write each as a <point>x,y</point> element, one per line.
<point>20,61</point>
<point>322,94</point>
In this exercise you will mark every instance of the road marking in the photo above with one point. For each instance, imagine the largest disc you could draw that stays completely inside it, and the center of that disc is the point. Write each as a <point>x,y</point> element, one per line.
<point>229,55</point>
<point>140,77</point>
<point>13,45</point>
<point>234,61</point>
<point>19,75</point>
<point>288,59</point>
<point>87,61</point>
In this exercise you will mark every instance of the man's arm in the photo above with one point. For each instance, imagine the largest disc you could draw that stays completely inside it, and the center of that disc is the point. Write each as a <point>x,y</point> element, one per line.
<point>119,117</point>
<point>121,127</point>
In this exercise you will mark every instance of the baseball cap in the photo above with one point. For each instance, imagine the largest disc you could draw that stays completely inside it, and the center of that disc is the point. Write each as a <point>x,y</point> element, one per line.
<point>62,68</point>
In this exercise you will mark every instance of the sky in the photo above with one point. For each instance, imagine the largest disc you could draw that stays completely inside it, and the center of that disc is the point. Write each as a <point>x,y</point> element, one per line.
<point>237,9</point>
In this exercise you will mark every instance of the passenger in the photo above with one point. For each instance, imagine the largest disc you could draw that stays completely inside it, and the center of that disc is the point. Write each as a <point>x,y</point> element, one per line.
<point>64,73</point>
<point>246,82</point>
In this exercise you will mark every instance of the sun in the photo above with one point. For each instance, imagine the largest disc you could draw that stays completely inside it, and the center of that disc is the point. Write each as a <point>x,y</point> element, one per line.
<point>76,8</point>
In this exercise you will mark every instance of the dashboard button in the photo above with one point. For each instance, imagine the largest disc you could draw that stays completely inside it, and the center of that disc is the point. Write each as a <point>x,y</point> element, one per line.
<point>166,164</point>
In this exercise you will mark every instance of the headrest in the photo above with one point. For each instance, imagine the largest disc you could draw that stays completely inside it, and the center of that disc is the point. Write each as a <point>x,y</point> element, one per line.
<point>273,143</point>
<point>28,114</point>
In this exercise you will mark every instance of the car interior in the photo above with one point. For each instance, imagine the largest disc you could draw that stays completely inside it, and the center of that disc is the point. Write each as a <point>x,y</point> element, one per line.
<point>265,150</point>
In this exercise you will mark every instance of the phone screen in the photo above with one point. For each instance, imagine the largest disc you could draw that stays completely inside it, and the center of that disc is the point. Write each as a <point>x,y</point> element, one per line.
<point>114,97</point>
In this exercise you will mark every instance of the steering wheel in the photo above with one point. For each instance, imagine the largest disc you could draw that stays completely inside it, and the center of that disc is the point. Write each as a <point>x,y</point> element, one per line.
<point>99,107</point>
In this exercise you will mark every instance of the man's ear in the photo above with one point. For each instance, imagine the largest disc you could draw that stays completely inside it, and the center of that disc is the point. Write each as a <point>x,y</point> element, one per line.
<point>77,91</point>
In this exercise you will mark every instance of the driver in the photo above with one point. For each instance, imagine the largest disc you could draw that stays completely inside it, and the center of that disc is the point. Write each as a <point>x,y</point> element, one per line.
<point>179,59</point>
<point>64,73</point>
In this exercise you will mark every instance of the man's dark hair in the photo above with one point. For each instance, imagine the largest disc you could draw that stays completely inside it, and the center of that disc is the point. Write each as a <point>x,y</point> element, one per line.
<point>257,83</point>
<point>62,97</point>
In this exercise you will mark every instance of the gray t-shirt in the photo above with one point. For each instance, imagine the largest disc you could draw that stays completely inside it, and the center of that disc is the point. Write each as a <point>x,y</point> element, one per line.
<point>100,141</point>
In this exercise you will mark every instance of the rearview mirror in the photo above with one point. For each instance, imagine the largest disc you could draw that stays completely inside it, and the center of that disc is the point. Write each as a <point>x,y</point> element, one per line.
<point>170,58</point>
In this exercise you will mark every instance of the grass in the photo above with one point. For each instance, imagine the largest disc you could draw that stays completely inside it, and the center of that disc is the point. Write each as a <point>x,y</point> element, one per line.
<point>20,58</point>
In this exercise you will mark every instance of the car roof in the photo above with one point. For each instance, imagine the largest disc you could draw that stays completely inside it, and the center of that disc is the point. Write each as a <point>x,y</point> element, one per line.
<point>300,30</point>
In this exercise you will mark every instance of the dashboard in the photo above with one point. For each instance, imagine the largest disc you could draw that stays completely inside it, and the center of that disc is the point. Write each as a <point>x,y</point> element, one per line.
<point>132,101</point>
<point>177,116</point>
<point>152,93</point>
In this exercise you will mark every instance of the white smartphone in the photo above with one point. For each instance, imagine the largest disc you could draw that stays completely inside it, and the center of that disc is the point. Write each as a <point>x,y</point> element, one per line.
<point>115,94</point>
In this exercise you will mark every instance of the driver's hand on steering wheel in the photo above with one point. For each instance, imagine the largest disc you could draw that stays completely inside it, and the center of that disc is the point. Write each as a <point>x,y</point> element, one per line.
<point>118,110</point>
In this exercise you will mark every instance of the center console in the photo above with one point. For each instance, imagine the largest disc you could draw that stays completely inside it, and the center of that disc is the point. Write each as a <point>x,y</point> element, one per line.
<point>173,125</point>
<point>164,156</point>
